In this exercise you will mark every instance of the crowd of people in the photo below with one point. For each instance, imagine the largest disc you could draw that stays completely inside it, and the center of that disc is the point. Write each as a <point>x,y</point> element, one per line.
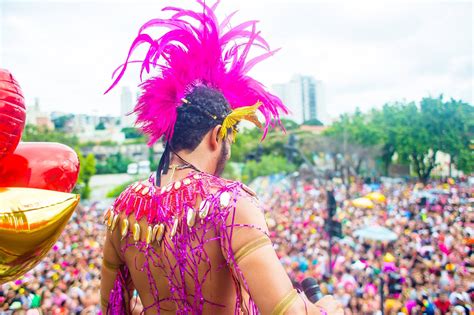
<point>432,256</point>
<point>431,262</point>
<point>67,280</point>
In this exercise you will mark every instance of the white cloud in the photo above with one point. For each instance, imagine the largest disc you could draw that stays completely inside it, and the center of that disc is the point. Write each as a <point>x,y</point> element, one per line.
<point>366,53</point>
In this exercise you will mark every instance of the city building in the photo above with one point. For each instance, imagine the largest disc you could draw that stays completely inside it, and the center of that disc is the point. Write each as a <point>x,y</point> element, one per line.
<point>126,108</point>
<point>304,96</point>
<point>34,116</point>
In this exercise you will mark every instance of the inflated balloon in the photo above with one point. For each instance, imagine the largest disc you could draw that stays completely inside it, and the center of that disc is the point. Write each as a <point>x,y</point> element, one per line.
<point>31,221</point>
<point>43,165</point>
<point>363,203</point>
<point>376,197</point>
<point>12,113</point>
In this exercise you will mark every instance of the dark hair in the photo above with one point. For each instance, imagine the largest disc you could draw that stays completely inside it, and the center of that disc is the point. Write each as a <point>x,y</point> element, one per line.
<point>196,117</point>
<point>202,109</point>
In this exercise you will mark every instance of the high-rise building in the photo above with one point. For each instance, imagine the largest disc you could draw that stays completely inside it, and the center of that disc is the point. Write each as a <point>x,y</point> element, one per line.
<point>304,96</point>
<point>126,108</point>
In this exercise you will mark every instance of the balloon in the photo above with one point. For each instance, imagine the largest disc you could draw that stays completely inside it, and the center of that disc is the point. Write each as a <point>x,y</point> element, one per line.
<point>43,165</point>
<point>31,221</point>
<point>388,258</point>
<point>12,113</point>
<point>364,203</point>
<point>376,196</point>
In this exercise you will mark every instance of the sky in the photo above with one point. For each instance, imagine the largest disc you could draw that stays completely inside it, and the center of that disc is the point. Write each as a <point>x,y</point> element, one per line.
<point>366,53</point>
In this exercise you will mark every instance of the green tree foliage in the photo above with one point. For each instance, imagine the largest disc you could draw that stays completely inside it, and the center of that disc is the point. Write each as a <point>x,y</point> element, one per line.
<point>100,126</point>
<point>269,164</point>
<point>87,170</point>
<point>313,122</point>
<point>61,121</point>
<point>289,124</point>
<point>132,133</point>
<point>356,128</point>
<point>114,164</point>
<point>117,190</point>
<point>34,134</point>
<point>417,133</point>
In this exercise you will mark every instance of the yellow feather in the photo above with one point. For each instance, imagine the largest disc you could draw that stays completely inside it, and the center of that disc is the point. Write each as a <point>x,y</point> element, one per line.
<point>242,113</point>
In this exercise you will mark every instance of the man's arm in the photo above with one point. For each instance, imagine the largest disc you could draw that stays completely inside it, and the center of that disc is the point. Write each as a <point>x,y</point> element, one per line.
<point>110,267</point>
<point>268,283</point>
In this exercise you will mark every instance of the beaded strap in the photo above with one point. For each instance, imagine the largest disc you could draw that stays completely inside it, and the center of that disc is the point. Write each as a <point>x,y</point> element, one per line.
<point>251,247</point>
<point>285,303</point>
<point>104,302</point>
<point>110,266</point>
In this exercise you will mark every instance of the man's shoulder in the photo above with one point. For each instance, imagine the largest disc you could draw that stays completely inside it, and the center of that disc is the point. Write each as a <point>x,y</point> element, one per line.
<point>239,185</point>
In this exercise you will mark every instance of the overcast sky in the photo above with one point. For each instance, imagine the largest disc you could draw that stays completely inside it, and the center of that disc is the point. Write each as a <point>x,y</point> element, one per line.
<point>367,54</point>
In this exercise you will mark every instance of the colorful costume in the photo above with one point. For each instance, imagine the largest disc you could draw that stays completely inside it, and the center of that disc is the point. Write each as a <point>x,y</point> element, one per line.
<point>181,214</point>
<point>171,210</point>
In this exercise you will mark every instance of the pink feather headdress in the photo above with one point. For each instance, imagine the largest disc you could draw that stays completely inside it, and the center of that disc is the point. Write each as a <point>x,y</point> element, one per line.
<point>198,50</point>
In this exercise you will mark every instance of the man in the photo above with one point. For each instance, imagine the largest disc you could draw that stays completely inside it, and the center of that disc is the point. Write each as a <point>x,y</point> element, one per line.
<point>442,303</point>
<point>188,241</point>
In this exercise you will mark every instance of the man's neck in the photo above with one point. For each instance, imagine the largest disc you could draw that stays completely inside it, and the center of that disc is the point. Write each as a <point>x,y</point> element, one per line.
<point>194,159</point>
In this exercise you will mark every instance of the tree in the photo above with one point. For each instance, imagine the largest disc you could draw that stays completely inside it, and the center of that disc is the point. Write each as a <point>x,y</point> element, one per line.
<point>87,170</point>
<point>269,164</point>
<point>61,121</point>
<point>313,122</point>
<point>32,133</point>
<point>289,124</point>
<point>458,134</point>
<point>436,126</point>
<point>100,126</point>
<point>356,139</point>
<point>132,133</point>
<point>114,164</point>
<point>417,133</point>
<point>388,122</point>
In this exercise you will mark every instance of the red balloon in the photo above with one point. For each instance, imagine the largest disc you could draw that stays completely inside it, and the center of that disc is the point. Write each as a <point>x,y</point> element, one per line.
<point>43,165</point>
<point>12,113</point>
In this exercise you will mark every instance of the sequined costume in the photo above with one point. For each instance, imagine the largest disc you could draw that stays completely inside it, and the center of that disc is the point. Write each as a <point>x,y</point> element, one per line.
<point>180,216</point>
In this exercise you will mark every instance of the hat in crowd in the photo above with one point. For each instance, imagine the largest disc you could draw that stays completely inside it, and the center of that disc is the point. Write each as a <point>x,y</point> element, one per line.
<point>459,296</point>
<point>15,305</point>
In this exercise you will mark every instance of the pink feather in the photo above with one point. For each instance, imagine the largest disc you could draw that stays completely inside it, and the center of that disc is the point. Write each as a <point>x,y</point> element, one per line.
<point>198,50</point>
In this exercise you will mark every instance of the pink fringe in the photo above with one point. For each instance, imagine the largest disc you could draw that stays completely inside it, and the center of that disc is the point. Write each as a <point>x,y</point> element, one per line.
<point>117,296</point>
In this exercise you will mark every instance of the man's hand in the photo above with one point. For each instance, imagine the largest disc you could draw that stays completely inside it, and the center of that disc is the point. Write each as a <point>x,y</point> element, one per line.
<point>331,305</point>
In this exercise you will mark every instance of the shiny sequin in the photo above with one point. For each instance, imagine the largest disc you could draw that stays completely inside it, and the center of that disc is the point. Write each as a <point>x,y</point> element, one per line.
<point>107,215</point>
<point>110,219</point>
<point>174,229</point>
<point>186,181</point>
<point>138,188</point>
<point>177,185</point>
<point>191,217</point>
<point>224,199</point>
<point>114,222</point>
<point>124,228</point>
<point>149,235</point>
<point>204,208</point>
<point>159,230</point>
<point>145,190</point>
<point>136,232</point>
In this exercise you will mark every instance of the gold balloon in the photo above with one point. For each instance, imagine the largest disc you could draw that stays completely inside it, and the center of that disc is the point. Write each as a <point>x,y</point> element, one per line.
<point>31,221</point>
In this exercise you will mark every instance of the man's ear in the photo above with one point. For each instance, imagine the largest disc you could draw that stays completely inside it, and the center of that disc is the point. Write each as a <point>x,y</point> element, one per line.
<point>214,139</point>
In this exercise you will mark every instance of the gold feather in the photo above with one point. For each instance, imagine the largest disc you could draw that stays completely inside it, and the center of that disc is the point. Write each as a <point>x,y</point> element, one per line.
<point>248,113</point>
